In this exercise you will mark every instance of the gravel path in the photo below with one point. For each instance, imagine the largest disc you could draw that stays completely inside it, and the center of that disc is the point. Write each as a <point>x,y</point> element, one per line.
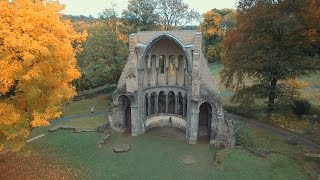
<point>276,130</point>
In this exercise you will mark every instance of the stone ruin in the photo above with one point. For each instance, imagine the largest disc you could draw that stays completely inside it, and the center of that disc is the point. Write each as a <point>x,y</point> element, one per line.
<point>166,83</point>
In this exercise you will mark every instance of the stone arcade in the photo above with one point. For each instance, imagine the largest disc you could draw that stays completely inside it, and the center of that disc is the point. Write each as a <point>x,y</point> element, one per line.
<point>166,83</point>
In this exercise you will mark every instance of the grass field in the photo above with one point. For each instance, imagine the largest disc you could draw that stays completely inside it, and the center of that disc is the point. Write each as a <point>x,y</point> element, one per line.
<point>100,104</point>
<point>153,157</point>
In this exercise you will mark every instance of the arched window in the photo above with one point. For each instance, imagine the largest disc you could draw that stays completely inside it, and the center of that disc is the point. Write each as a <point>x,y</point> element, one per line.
<point>153,61</point>
<point>180,104</point>
<point>152,104</point>
<point>162,61</point>
<point>162,102</point>
<point>171,102</point>
<point>181,62</point>
<point>172,63</point>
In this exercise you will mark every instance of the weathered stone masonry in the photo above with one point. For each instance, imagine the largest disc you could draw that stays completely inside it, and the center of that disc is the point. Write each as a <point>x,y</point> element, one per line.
<point>166,83</point>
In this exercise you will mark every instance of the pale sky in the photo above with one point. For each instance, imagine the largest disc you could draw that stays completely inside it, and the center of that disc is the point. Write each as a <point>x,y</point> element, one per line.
<point>94,7</point>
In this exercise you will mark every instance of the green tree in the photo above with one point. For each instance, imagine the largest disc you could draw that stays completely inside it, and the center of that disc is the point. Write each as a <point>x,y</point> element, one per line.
<point>102,59</point>
<point>273,41</point>
<point>111,19</point>
<point>140,15</point>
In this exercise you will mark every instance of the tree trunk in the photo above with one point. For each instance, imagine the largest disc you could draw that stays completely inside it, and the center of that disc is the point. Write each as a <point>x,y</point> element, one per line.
<point>272,94</point>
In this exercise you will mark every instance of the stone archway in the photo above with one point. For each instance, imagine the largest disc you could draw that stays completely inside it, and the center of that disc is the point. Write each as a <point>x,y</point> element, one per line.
<point>162,102</point>
<point>180,104</point>
<point>204,125</point>
<point>171,102</point>
<point>126,112</point>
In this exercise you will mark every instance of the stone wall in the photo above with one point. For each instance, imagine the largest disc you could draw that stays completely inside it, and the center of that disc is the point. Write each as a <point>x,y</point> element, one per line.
<point>164,121</point>
<point>149,72</point>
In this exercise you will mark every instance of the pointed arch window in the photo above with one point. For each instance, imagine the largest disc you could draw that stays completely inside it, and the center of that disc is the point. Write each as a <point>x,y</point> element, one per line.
<point>162,61</point>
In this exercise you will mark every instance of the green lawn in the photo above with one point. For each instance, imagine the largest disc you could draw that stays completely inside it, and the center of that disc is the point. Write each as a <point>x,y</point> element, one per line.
<point>86,122</point>
<point>99,103</point>
<point>153,157</point>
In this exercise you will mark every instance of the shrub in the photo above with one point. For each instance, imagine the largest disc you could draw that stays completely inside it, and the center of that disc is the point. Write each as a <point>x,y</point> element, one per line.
<point>243,135</point>
<point>300,107</point>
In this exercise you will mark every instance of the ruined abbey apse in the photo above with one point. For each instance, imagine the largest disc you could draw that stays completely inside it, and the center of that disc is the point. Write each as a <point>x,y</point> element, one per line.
<point>166,83</point>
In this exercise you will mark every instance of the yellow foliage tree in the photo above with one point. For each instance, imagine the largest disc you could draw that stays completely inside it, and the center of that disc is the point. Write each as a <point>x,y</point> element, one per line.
<point>211,23</point>
<point>37,66</point>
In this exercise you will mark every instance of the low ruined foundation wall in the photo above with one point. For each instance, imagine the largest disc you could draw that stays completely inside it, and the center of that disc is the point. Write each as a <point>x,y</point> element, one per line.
<point>163,120</point>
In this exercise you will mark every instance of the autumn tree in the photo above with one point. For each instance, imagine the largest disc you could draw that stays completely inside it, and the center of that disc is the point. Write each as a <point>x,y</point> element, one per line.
<point>210,27</point>
<point>140,15</point>
<point>103,57</point>
<point>37,66</point>
<point>214,26</point>
<point>174,13</point>
<point>273,41</point>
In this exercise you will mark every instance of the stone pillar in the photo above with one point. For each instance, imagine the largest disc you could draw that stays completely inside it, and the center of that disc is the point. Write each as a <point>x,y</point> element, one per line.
<point>184,76</point>
<point>148,65</point>
<point>167,75</point>
<point>157,69</point>
<point>177,76</point>
<point>137,106</point>
<point>214,126</point>
<point>149,105</point>
<point>157,76</point>
<point>167,103</point>
<point>156,104</point>
<point>194,118</point>
<point>149,76</point>
<point>135,116</point>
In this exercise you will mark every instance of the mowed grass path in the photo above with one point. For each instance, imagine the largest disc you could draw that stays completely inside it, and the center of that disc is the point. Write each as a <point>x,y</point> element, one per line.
<point>153,157</point>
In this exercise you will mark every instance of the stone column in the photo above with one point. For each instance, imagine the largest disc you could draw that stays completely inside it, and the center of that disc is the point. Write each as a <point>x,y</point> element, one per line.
<point>177,76</point>
<point>167,75</point>
<point>135,115</point>
<point>157,76</point>
<point>194,118</point>
<point>214,125</point>
<point>167,103</point>
<point>184,76</point>
<point>157,69</point>
<point>156,104</point>
<point>149,76</point>
<point>149,105</point>
<point>137,106</point>
<point>148,65</point>
<point>176,108</point>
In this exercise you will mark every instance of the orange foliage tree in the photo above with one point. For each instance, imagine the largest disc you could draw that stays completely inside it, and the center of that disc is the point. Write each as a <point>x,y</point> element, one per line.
<point>37,66</point>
